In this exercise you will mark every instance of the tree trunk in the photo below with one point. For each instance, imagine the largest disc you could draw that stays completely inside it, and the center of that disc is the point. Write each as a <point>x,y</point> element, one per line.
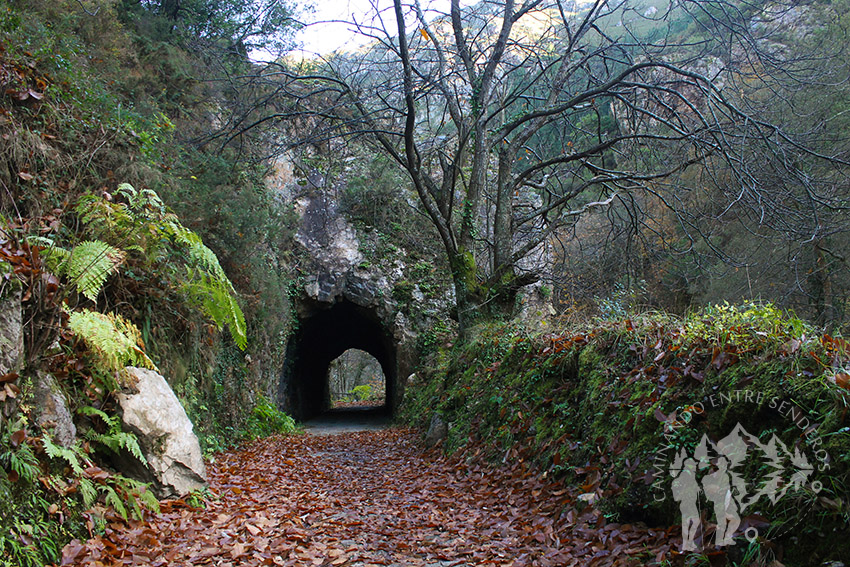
<point>502,229</point>
<point>478,301</point>
<point>170,9</point>
<point>820,286</point>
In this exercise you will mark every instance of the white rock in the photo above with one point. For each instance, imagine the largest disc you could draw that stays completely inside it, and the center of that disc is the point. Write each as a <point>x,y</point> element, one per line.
<point>154,414</point>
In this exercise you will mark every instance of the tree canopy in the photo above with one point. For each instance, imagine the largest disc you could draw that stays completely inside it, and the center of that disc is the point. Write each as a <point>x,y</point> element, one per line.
<point>247,25</point>
<point>515,120</point>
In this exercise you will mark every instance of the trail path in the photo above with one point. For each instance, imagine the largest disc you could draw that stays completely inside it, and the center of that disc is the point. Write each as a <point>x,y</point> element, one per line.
<point>372,498</point>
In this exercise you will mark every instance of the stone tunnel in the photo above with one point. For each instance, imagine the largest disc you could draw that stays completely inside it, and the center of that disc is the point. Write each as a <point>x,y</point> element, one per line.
<point>324,333</point>
<point>344,302</point>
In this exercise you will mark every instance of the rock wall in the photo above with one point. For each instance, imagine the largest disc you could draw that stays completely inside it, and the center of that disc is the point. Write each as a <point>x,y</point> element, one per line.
<point>11,327</point>
<point>51,409</point>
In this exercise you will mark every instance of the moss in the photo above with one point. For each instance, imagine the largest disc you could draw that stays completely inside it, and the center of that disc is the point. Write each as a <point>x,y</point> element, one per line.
<point>403,291</point>
<point>464,269</point>
<point>596,396</point>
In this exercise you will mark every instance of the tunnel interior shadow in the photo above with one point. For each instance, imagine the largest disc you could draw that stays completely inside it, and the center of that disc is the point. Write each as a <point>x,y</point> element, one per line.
<point>322,336</point>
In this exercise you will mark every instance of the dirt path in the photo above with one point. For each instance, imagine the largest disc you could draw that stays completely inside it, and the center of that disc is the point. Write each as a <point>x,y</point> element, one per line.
<point>372,498</point>
<point>348,420</point>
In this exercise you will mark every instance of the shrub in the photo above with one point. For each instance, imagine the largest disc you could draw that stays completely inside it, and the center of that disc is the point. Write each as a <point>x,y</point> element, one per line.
<point>363,392</point>
<point>265,419</point>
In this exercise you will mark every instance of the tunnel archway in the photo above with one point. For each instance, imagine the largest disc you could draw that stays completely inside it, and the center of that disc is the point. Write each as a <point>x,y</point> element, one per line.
<point>324,333</point>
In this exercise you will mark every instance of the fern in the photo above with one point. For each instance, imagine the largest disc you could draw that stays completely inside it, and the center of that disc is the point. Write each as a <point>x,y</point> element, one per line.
<point>136,495</point>
<point>90,263</point>
<point>87,265</point>
<point>68,454</point>
<point>115,438</point>
<point>218,302</point>
<point>148,499</point>
<point>145,203</point>
<point>122,493</point>
<point>24,463</point>
<point>88,492</point>
<point>106,220</point>
<point>128,497</point>
<point>144,225</point>
<point>115,340</point>
<point>15,454</point>
<point>53,256</point>
<point>200,256</point>
<point>112,499</point>
<point>210,287</point>
<point>207,284</point>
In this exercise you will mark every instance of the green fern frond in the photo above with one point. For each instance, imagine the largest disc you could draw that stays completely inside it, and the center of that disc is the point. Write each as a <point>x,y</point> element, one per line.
<point>218,302</point>
<point>214,290</point>
<point>92,411</point>
<point>199,254</point>
<point>67,454</point>
<point>148,499</point>
<point>106,220</point>
<point>127,191</point>
<point>130,442</point>
<point>152,226</point>
<point>90,263</point>
<point>54,256</point>
<point>17,457</point>
<point>24,462</point>
<point>145,203</point>
<point>87,265</point>
<point>115,438</point>
<point>115,340</point>
<point>237,325</point>
<point>136,495</point>
<point>88,492</point>
<point>112,499</point>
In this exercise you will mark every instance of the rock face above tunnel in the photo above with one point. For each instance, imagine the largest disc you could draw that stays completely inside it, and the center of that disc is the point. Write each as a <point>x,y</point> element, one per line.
<point>338,268</point>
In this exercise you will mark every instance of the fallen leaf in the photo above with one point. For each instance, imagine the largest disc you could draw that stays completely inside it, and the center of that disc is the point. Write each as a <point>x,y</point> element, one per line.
<point>18,437</point>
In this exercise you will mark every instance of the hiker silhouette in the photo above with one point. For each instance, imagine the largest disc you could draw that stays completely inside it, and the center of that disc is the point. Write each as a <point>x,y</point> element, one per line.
<point>717,486</point>
<point>686,492</point>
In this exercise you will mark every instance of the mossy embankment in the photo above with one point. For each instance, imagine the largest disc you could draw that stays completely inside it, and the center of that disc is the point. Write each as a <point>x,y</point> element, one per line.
<point>610,405</point>
<point>120,233</point>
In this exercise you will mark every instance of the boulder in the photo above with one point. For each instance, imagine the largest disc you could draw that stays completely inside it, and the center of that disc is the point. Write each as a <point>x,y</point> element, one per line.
<point>175,466</point>
<point>51,409</point>
<point>11,327</point>
<point>438,430</point>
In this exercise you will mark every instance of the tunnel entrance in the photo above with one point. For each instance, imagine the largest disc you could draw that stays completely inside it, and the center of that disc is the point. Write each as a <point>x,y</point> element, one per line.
<point>326,332</point>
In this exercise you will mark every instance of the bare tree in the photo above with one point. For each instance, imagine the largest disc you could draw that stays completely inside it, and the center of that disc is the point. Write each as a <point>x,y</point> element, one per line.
<point>515,120</point>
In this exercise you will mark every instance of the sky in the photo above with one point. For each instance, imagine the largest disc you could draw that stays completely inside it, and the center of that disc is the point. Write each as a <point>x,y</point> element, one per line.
<point>327,35</point>
<point>329,31</point>
<point>329,26</point>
